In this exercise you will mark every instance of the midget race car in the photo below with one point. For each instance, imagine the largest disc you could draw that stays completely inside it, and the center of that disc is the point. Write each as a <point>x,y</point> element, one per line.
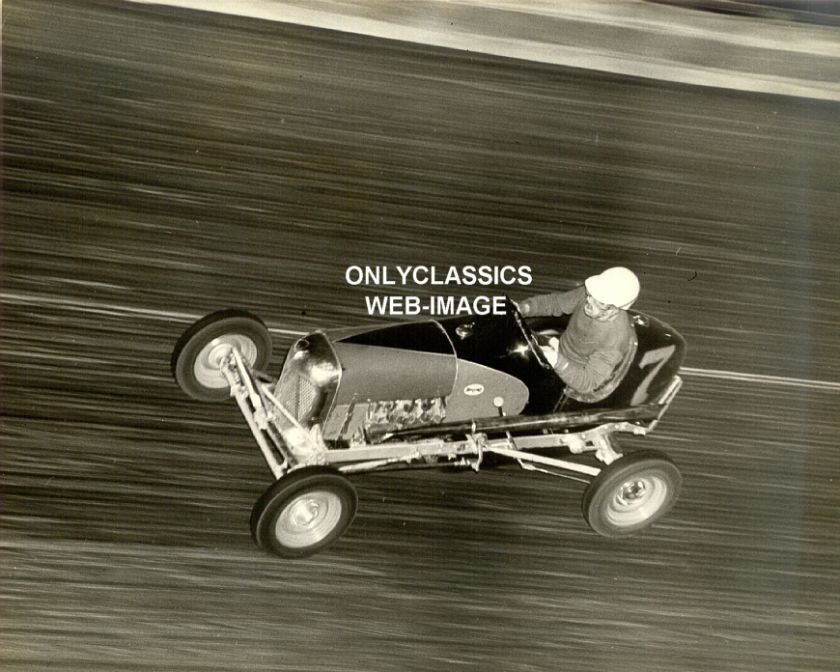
<point>464,391</point>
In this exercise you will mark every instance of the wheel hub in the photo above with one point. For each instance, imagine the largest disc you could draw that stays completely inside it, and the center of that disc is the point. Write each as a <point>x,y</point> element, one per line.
<point>637,500</point>
<point>305,513</point>
<point>632,491</point>
<point>308,518</point>
<point>208,363</point>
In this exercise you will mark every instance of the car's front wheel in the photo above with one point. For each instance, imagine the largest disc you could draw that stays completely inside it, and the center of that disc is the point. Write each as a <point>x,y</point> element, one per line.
<point>304,512</point>
<point>198,354</point>
<point>631,493</point>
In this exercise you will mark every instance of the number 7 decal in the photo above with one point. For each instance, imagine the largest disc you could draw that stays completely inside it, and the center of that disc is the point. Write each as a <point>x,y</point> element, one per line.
<point>658,357</point>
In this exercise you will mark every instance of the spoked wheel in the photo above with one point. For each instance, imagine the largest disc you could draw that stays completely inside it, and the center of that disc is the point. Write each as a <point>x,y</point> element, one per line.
<point>304,512</point>
<point>631,493</point>
<point>200,351</point>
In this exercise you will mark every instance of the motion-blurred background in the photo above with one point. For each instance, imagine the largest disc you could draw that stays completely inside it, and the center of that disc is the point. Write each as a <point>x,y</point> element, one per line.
<point>162,162</point>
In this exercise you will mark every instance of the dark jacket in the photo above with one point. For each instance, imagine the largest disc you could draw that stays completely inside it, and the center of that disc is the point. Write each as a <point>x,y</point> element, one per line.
<point>592,348</point>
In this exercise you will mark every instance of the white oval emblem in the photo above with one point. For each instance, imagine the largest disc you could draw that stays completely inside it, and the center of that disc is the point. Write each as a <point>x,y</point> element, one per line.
<point>474,389</point>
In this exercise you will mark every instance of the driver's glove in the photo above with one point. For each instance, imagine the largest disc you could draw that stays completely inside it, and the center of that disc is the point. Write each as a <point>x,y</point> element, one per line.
<point>551,351</point>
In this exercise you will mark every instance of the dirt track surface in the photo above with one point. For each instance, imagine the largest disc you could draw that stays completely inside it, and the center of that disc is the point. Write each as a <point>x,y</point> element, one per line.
<point>160,164</point>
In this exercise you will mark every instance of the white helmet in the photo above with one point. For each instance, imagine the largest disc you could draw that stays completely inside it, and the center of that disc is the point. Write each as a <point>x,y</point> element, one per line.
<point>617,286</point>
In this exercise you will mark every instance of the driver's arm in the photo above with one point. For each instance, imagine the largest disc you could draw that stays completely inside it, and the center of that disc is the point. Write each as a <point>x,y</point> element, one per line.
<point>591,374</point>
<point>563,303</point>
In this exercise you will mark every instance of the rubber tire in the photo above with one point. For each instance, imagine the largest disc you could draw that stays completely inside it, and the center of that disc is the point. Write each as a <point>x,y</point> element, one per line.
<point>602,491</point>
<point>282,492</point>
<point>216,325</point>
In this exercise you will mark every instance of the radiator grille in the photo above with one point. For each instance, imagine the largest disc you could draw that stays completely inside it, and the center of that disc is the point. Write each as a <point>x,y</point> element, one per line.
<point>297,394</point>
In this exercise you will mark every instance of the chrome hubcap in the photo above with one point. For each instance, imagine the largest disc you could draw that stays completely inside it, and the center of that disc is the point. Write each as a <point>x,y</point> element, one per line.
<point>308,519</point>
<point>637,500</point>
<point>208,364</point>
<point>631,491</point>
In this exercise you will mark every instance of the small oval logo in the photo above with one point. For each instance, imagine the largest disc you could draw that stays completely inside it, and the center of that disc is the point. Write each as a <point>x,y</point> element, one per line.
<point>474,389</point>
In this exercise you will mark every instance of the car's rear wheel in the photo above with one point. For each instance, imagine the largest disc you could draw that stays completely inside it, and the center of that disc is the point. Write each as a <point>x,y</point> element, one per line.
<point>198,354</point>
<point>304,512</point>
<point>631,493</point>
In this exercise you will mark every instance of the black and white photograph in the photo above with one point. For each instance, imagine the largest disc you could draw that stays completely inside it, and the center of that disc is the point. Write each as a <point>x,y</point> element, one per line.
<point>413,335</point>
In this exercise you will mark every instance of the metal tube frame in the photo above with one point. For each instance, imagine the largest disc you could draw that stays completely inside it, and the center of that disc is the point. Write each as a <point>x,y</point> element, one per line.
<point>285,452</point>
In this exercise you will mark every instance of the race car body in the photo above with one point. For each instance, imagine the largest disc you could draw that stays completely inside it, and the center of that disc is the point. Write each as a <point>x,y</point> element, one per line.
<point>357,382</point>
<point>437,392</point>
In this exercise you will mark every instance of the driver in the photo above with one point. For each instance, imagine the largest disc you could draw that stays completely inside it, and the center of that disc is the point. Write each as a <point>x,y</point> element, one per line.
<point>599,333</point>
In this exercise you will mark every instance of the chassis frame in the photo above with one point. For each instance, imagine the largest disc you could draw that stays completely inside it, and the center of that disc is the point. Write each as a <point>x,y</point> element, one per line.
<point>312,500</point>
<point>287,446</point>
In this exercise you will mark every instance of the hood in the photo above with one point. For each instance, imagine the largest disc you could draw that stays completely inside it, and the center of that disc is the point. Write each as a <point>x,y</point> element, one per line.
<point>405,361</point>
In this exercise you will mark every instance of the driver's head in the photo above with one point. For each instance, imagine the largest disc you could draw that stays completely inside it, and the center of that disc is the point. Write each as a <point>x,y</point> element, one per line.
<point>615,289</point>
